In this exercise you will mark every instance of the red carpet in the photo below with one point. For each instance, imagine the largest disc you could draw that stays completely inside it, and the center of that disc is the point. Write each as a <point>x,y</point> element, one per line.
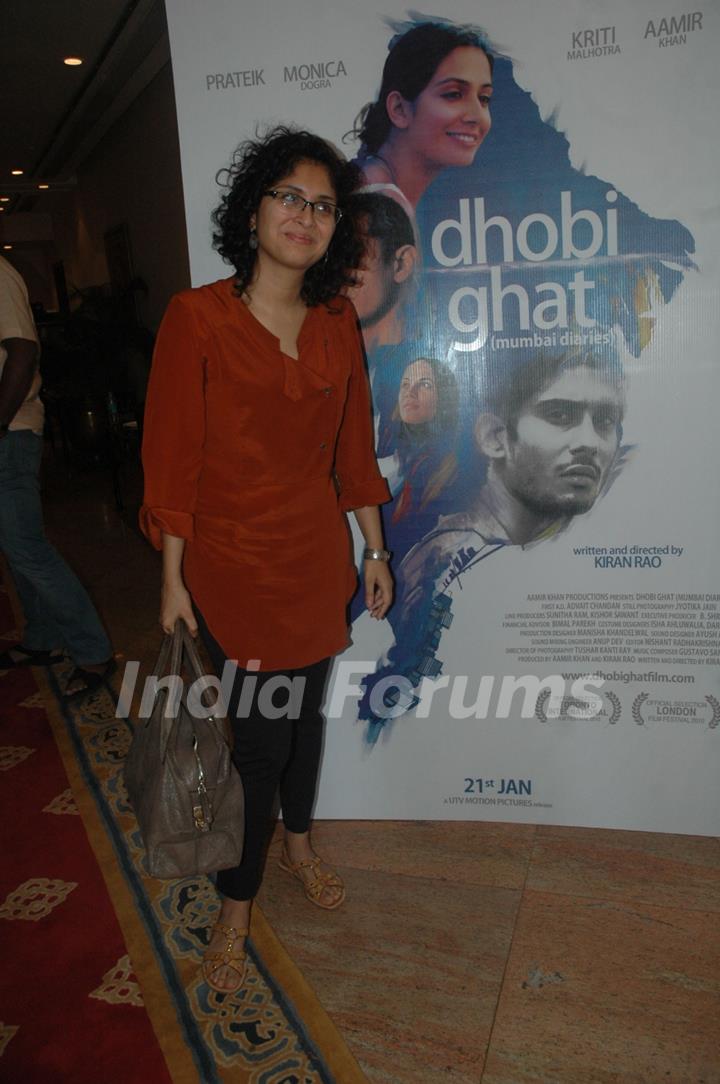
<point>70,1006</point>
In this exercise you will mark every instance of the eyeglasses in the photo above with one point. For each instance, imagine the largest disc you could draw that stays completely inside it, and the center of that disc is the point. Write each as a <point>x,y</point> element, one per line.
<point>323,210</point>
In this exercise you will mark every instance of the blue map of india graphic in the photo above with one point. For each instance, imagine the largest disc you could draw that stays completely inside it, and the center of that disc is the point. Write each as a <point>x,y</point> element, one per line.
<point>522,254</point>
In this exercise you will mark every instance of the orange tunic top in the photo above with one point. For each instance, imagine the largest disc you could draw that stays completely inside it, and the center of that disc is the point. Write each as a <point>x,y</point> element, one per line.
<point>253,458</point>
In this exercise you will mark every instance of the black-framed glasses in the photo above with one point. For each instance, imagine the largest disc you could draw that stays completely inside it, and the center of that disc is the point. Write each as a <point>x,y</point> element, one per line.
<point>323,209</point>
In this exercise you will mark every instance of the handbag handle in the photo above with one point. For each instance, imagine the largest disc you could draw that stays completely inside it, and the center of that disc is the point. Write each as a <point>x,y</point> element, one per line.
<point>162,659</point>
<point>170,649</point>
<point>192,654</point>
<point>192,657</point>
<point>175,645</point>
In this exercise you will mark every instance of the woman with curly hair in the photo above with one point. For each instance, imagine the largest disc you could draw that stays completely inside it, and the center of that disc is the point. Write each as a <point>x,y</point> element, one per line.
<point>433,109</point>
<point>258,439</point>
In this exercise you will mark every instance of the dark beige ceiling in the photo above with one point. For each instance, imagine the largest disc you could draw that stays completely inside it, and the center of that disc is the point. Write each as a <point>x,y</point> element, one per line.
<point>51,115</point>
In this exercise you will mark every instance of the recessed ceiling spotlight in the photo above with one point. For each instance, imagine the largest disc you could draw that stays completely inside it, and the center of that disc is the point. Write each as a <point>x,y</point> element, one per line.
<point>17,172</point>
<point>72,61</point>
<point>7,247</point>
<point>43,186</point>
<point>4,199</point>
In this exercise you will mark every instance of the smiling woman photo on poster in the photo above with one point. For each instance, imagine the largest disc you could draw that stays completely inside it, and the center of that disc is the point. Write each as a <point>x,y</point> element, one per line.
<point>432,111</point>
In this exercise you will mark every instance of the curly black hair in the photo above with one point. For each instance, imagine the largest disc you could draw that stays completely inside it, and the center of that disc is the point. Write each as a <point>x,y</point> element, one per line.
<point>259,164</point>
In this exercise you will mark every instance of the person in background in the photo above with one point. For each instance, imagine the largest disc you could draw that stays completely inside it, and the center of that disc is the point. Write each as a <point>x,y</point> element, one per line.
<point>59,615</point>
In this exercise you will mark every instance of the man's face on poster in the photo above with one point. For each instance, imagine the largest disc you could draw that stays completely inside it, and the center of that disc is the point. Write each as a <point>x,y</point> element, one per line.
<point>563,444</point>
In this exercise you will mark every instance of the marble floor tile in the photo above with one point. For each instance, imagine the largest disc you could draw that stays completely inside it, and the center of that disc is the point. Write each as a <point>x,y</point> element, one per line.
<point>602,992</point>
<point>409,968</point>
<point>459,851</point>
<point>652,868</point>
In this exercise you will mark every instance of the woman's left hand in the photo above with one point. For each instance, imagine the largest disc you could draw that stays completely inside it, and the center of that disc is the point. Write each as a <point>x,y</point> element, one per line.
<point>378,588</point>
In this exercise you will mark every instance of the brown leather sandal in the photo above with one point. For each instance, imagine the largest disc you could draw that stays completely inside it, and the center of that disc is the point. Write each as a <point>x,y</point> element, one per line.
<point>236,961</point>
<point>316,883</point>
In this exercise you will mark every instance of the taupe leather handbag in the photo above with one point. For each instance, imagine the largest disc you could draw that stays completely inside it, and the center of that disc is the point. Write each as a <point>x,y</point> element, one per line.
<point>179,775</point>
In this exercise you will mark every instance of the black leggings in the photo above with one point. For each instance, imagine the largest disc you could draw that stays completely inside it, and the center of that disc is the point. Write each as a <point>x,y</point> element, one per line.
<point>271,753</point>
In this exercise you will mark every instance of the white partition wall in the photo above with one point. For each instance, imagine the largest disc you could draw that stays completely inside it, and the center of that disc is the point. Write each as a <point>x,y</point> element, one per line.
<point>554,653</point>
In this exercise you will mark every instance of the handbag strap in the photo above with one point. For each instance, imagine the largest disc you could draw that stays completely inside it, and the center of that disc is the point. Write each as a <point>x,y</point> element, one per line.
<point>192,656</point>
<point>177,648</point>
<point>176,641</point>
<point>164,655</point>
<point>219,719</point>
<point>171,649</point>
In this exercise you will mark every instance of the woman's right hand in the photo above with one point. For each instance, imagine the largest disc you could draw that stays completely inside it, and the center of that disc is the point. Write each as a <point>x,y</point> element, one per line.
<point>175,602</point>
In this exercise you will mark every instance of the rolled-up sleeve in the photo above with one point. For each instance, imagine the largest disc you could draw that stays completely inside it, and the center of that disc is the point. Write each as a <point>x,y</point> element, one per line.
<point>174,429</point>
<point>359,480</point>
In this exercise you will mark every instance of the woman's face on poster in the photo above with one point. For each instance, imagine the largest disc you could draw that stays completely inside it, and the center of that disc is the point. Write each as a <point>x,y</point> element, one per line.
<point>449,119</point>
<point>417,401</point>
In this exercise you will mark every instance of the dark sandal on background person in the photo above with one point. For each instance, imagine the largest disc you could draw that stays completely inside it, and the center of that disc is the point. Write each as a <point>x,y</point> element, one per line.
<point>29,656</point>
<point>314,880</point>
<point>235,961</point>
<point>91,681</point>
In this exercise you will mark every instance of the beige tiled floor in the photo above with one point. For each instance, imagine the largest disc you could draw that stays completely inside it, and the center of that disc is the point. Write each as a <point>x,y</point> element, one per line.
<point>470,952</point>
<point>603,990</point>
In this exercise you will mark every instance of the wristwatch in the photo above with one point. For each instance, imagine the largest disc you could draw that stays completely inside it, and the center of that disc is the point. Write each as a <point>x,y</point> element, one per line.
<point>369,554</point>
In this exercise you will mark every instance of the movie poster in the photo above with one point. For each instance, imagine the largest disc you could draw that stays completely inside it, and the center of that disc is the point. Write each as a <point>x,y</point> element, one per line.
<point>539,303</point>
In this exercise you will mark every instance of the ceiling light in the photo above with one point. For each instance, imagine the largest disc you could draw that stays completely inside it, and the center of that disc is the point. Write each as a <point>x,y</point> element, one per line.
<point>43,186</point>
<point>4,199</point>
<point>7,247</point>
<point>17,172</point>
<point>72,61</point>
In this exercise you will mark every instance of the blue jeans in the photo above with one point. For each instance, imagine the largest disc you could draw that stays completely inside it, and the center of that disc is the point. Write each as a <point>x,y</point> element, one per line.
<point>58,611</point>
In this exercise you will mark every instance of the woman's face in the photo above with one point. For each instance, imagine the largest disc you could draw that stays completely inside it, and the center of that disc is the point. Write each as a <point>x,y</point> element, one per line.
<point>417,401</point>
<point>295,237</point>
<point>449,119</point>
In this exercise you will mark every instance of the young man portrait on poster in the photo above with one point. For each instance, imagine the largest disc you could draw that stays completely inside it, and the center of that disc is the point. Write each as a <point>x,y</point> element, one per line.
<point>550,440</point>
